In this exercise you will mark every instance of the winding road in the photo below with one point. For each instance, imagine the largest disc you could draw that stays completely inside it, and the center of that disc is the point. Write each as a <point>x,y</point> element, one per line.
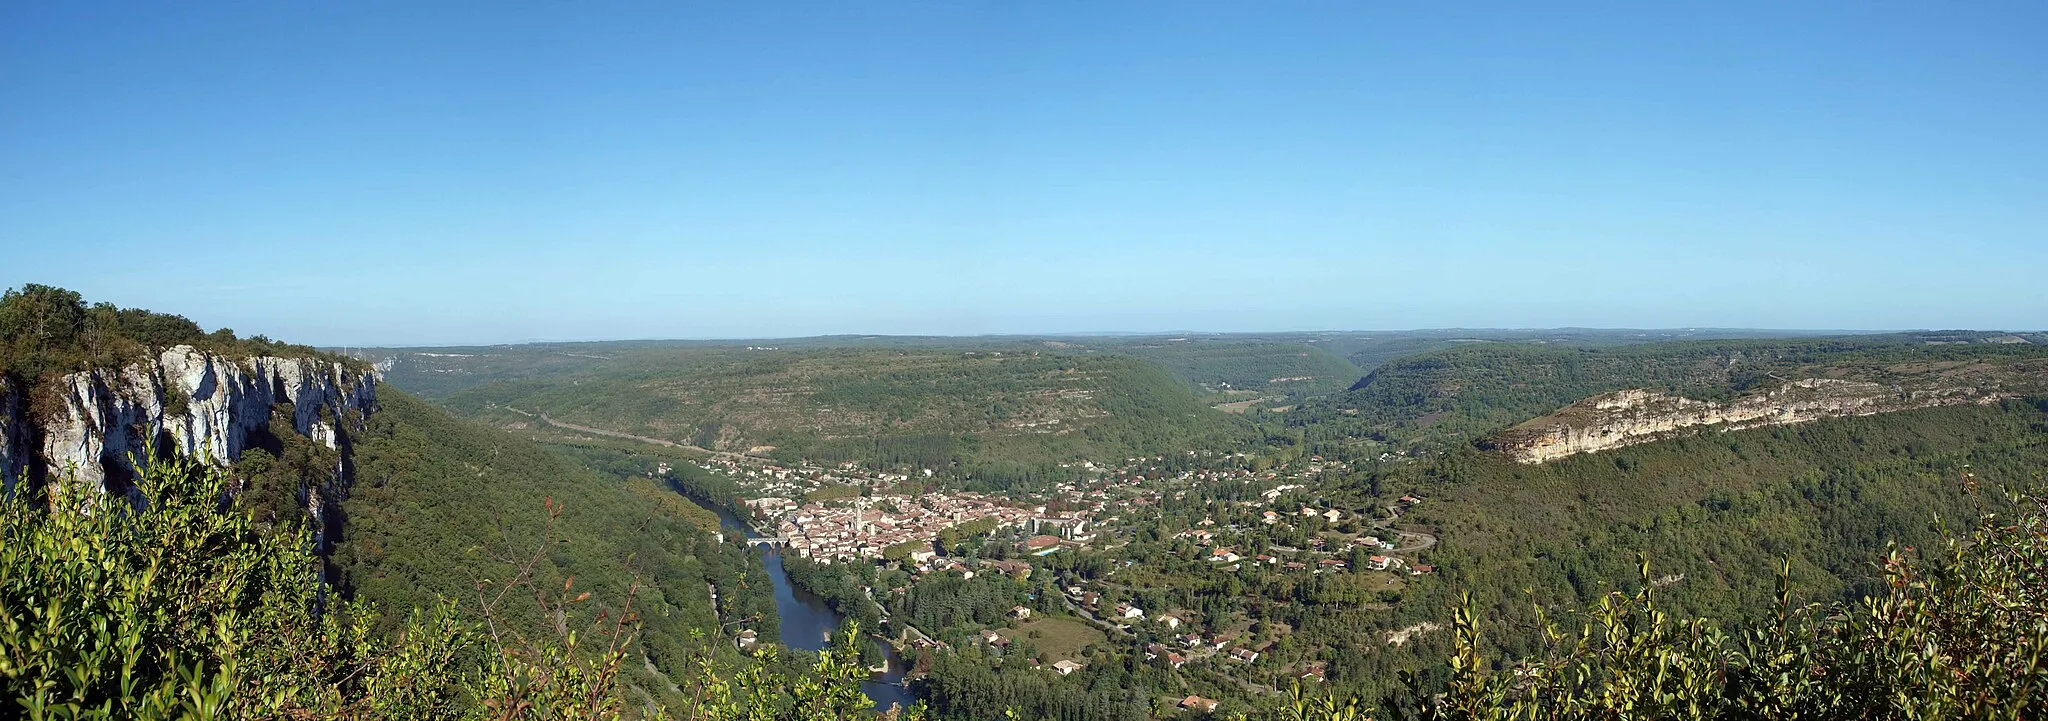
<point>543,417</point>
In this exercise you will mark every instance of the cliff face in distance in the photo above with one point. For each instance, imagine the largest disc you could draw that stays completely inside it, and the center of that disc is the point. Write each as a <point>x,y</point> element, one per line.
<point>185,400</point>
<point>1630,417</point>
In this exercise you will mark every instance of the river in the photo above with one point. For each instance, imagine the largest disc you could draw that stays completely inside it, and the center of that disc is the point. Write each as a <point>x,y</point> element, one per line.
<point>806,622</point>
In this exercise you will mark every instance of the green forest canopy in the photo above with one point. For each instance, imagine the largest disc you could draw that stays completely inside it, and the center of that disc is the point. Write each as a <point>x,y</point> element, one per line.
<point>46,330</point>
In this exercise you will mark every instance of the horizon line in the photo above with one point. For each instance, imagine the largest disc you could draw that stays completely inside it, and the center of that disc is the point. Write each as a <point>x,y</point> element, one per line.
<point>1815,332</point>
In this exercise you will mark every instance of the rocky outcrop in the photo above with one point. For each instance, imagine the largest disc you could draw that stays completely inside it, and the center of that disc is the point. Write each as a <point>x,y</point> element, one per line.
<point>184,400</point>
<point>1630,417</point>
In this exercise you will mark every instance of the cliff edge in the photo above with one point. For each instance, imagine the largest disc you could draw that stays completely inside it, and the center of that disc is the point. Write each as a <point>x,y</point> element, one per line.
<point>1630,417</point>
<point>185,400</point>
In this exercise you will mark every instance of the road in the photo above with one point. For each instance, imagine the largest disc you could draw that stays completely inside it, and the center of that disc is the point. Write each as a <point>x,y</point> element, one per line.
<point>630,437</point>
<point>1084,613</point>
<point>1423,541</point>
<point>905,626</point>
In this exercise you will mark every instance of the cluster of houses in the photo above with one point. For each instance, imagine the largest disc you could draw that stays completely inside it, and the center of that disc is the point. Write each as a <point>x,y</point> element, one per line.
<point>1092,601</point>
<point>771,481</point>
<point>847,530</point>
<point>1230,645</point>
<point>1067,515</point>
<point>926,562</point>
<point>865,527</point>
<point>1216,551</point>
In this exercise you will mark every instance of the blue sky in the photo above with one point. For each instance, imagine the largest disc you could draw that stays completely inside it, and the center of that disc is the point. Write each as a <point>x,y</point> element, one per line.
<point>439,172</point>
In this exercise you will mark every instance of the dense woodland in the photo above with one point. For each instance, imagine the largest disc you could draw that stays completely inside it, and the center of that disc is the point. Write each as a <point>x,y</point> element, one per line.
<point>1452,396</point>
<point>1715,514</point>
<point>440,505</point>
<point>1296,370</point>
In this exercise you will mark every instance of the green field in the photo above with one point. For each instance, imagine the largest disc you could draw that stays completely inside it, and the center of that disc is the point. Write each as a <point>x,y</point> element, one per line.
<point>1057,638</point>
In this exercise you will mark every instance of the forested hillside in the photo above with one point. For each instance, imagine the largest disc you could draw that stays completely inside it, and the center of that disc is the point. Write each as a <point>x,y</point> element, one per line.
<point>442,505</point>
<point>435,373</point>
<point>1714,516</point>
<point>986,413</point>
<point>1458,394</point>
<point>1245,360</point>
<point>1370,349</point>
<point>1222,365</point>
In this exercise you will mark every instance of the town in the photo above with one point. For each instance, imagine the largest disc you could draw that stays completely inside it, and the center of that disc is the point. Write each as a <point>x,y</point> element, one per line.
<point>1133,538</point>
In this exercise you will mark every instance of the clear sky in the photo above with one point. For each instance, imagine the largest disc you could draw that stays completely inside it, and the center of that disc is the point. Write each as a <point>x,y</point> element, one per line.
<point>439,172</point>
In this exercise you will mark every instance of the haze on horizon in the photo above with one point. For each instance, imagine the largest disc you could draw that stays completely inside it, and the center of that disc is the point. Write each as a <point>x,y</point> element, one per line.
<point>1480,335</point>
<point>405,174</point>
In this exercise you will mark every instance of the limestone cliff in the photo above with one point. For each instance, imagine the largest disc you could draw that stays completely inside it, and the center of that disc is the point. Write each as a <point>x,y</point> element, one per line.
<point>1630,417</point>
<point>186,400</point>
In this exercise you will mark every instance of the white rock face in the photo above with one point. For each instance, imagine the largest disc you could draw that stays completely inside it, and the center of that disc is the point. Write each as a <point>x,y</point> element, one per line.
<point>111,414</point>
<point>1626,418</point>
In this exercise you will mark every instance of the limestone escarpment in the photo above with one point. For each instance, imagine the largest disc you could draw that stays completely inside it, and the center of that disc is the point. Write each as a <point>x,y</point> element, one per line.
<point>184,400</point>
<point>1630,417</point>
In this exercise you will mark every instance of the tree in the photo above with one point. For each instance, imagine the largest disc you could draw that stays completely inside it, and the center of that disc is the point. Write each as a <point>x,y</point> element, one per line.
<point>189,609</point>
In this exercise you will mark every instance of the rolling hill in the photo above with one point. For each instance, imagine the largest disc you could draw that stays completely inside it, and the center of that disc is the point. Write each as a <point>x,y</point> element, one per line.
<point>1221,366</point>
<point>1460,394</point>
<point>919,407</point>
<point>1718,513</point>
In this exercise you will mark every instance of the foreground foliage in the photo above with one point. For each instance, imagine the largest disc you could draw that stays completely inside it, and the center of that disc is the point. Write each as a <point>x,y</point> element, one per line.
<point>1959,637</point>
<point>767,688</point>
<point>191,609</point>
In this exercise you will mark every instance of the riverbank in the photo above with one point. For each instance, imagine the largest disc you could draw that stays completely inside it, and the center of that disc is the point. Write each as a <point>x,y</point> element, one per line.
<point>807,622</point>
